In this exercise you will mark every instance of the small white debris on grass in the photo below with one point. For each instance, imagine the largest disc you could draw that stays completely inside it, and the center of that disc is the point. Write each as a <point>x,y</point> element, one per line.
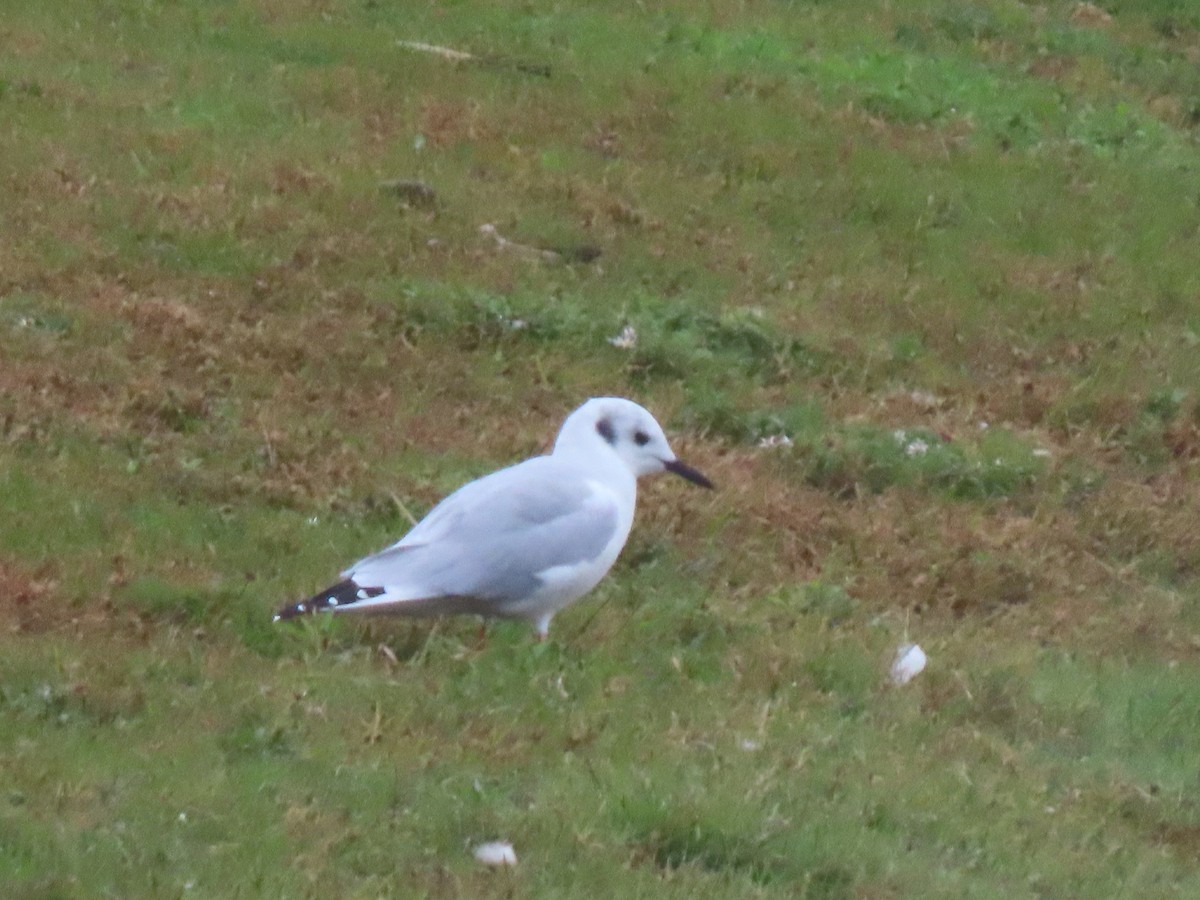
<point>444,52</point>
<point>910,660</point>
<point>532,253</point>
<point>1042,453</point>
<point>925,398</point>
<point>496,853</point>
<point>774,440</point>
<point>915,447</point>
<point>626,340</point>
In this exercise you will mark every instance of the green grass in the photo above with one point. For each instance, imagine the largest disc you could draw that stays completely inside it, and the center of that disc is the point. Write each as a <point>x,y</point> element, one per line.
<point>913,282</point>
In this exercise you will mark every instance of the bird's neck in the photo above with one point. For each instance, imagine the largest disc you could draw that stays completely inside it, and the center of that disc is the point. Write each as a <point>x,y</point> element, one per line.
<point>604,463</point>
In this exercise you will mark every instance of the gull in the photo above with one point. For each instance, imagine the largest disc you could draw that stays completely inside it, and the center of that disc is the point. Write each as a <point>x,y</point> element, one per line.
<point>522,542</point>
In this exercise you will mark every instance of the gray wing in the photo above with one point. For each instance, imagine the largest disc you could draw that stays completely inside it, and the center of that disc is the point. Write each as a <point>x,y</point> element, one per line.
<point>492,537</point>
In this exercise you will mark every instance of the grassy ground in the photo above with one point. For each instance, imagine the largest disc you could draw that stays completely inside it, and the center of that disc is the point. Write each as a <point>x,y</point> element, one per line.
<point>948,249</point>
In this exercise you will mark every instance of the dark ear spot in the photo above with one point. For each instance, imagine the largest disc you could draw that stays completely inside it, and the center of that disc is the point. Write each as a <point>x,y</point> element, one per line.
<point>605,429</point>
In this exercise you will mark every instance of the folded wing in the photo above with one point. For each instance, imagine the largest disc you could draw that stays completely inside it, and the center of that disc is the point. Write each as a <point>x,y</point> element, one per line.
<point>484,547</point>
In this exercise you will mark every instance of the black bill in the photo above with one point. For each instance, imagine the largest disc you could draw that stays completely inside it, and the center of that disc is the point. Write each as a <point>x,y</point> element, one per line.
<point>683,470</point>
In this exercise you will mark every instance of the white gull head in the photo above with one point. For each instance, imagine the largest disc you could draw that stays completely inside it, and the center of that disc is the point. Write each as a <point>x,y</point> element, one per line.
<point>620,427</point>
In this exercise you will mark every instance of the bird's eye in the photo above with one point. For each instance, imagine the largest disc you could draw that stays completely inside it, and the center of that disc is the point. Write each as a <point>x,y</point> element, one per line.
<point>641,438</point>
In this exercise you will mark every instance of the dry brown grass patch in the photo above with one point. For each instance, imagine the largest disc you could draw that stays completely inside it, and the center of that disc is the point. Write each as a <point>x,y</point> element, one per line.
<point>32,603</point>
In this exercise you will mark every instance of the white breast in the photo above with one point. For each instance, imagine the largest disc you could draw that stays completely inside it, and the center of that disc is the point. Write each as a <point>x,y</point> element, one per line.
<point>562,585</point>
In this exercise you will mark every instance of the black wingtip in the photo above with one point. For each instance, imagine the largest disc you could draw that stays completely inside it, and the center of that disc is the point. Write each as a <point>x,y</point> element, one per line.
<point>344,593</point>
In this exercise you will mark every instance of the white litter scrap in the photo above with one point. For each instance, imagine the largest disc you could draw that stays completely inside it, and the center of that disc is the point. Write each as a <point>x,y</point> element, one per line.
<point>626,340</point>
<point>523,250</point>
<point>444,52</point>
<point>496,853</point>
<point>910,660</point>
<point>774,440</point>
